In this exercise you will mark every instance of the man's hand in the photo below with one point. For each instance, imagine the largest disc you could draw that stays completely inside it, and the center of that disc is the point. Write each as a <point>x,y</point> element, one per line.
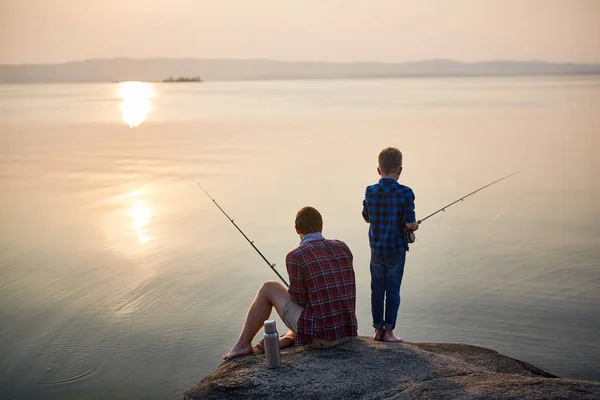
<point>412,226</point>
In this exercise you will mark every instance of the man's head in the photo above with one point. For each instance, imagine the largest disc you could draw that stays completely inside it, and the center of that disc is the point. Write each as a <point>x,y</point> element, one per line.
<point>308,220</point>
<point>390,162</point>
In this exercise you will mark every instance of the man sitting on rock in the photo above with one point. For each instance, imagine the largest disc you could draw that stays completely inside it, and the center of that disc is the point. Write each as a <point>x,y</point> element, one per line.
<point>318,308</point>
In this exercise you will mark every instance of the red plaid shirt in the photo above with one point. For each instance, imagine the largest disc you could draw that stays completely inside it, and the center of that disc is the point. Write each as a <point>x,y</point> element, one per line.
<point>322,281</point>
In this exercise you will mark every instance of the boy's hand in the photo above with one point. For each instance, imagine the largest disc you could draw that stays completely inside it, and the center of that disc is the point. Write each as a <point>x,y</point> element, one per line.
<point>412,226</point>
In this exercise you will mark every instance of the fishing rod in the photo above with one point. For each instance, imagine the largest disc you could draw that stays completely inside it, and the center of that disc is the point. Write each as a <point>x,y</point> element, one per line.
<point>246,237</point>
<point>410,235</point>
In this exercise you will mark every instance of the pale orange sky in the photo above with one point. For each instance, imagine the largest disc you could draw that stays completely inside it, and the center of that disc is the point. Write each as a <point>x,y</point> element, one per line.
<point>33,31</point>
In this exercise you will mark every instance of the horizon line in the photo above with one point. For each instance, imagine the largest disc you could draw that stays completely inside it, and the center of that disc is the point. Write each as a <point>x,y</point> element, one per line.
<point>498,60</point>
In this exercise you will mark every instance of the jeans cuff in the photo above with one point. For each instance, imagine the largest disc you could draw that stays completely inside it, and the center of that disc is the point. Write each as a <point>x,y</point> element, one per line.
<point>378,326</point>
<point>390,327</point>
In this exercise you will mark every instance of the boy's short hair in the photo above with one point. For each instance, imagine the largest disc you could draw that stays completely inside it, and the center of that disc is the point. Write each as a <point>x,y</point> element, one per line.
<point>309,220</point>
<point>390,159</point>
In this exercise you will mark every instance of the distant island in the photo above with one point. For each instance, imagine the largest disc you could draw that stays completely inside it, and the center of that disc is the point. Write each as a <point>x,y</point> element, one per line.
<point>156,69</point>
<point>183,79</point>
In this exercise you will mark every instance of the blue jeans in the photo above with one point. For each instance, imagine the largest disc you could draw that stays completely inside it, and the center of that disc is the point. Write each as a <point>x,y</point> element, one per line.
<point>386,277</point>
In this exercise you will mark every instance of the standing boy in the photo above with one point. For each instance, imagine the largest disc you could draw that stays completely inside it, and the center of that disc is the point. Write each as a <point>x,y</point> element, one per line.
<point>389,208</point>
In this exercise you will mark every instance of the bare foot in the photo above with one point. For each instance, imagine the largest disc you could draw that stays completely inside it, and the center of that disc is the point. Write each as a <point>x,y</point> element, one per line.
<point>389,336</point>
<point>284,341</point>
<point>378,335</point>
<point>260,346</point>
<point>238,349</point>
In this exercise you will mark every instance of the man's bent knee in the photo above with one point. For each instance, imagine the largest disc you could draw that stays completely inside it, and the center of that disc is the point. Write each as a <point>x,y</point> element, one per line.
<point>276,293</point>
<point>269,285</point>
<point>269,288</point>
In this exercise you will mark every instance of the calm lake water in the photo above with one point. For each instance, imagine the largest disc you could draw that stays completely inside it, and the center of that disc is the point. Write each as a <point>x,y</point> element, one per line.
<point>121,279</point>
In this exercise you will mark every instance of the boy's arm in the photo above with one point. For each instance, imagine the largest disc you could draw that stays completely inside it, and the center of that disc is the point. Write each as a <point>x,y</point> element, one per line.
<point>412,226</point>
<point>410,217</point>
<point>365,212</point>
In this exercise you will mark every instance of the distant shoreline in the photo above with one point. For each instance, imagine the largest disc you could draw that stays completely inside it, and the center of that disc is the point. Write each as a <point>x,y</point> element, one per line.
<point>155,70</point>
<point>590,75</point>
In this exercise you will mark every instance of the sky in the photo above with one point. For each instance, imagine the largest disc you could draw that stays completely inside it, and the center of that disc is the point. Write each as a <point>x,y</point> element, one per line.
<point>54,31</point>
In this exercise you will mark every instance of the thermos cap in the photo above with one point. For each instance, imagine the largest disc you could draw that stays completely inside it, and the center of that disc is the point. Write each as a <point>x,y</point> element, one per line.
<point>270,326</point>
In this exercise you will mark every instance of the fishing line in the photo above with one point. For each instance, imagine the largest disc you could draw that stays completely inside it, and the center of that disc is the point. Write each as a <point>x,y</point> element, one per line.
<point>510,203</point>
<point>272,265</point>
<point>410,235</point>
<point>440,221</point>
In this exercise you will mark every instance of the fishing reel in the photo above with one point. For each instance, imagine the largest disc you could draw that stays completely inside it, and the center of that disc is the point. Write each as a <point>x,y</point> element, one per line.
<point>410,236</point>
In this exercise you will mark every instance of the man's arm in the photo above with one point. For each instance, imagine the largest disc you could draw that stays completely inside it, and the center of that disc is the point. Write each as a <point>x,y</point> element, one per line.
<point>297,290</point>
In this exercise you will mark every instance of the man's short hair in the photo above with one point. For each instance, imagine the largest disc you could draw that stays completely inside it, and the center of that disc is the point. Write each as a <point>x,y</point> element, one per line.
<point>309,220</point>
<point>390,160</point>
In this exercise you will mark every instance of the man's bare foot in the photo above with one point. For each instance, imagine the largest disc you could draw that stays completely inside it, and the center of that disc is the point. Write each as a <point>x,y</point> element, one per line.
<point>284,341</point>
<point>260,346</point>
<point>238,349</point>
<point>389,336</point>
<point>378,335</point>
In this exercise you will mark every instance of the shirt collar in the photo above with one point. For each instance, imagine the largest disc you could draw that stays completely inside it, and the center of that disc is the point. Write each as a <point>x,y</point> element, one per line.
<point>311,237</point>
<point>387,180</point>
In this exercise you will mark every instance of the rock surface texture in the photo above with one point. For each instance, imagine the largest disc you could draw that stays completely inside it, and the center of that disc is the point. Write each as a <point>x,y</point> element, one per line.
<point>365,369</point>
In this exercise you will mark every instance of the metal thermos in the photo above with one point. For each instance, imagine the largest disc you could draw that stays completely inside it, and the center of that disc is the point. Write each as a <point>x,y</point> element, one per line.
<point>272,345</point>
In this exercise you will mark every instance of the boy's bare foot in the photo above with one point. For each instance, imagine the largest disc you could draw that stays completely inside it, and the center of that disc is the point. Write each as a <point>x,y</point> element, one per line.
<point>378,335</point>
<point>389,336</point>
<point>238,349</point>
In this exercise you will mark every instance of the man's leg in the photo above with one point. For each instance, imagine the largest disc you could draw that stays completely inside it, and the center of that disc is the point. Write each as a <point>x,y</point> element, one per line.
<point>271,294</point>
<point>377,295</point>
<point>394,273</point>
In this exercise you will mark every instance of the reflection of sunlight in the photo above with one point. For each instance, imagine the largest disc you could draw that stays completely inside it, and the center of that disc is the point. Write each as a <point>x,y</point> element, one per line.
<point>128,223</point>
<point>141,214</point>
<point>136,102</point>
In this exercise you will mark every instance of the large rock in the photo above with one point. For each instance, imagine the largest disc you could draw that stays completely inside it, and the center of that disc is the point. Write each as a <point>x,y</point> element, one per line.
<point>365,369</point>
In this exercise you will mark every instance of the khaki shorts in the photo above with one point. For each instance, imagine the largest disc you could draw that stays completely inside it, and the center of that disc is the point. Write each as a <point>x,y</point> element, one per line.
<point>290,315</point>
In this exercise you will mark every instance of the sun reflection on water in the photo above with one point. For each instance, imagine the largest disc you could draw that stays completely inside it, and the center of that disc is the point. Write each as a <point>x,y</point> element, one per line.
<point>141,214</point>
<point>129,222</point>
<point>136,102</point>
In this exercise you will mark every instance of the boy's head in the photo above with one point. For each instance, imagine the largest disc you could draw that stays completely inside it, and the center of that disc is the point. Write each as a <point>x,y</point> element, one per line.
<point>308,220</point>
<point>390,162</point>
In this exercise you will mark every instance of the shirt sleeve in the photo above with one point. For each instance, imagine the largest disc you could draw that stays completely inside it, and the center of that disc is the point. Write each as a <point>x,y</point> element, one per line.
<point>365,210</point>
<point>350,255</point>
<point>409,214</point>
<point>297,290</point>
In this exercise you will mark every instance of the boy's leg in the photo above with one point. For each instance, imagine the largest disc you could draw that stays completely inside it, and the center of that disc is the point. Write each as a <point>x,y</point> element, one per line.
<point>378,278</point>
<point>271,294</point>
<point>394,274</point>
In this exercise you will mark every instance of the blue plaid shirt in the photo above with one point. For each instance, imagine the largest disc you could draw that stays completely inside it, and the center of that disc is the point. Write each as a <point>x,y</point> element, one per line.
<point>387,207</point>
